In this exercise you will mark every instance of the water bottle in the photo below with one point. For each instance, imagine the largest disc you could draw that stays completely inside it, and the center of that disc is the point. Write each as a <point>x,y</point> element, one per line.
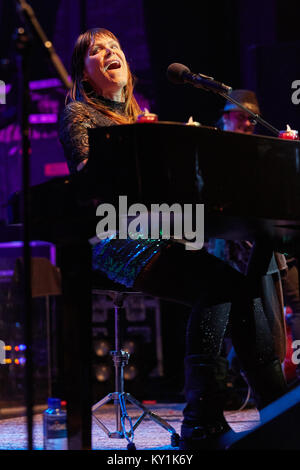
<point>55,426</point>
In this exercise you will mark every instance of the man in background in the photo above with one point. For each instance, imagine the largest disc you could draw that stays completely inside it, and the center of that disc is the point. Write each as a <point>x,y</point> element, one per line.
<point>234,119</point>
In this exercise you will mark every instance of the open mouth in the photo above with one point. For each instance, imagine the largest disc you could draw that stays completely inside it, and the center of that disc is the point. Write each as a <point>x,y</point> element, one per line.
<point>114,64</point>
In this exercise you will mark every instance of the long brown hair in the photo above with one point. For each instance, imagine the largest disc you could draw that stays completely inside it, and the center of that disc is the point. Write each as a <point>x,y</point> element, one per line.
<point>82,91</point>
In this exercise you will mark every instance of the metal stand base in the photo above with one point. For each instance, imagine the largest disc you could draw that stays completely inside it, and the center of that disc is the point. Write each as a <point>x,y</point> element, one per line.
<point>119,397</point>
<point>121,417</point>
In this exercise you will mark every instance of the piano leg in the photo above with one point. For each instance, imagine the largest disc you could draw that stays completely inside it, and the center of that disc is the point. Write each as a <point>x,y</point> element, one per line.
<point>75,264</point>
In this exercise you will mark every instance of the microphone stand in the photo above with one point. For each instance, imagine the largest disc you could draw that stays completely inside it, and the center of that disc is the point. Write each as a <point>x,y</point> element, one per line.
<point>253,115</point>
<point>23,44</point>
<point>25,10</point>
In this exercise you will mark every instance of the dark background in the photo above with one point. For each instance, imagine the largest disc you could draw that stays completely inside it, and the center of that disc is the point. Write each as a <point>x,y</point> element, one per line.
<point>251,44</point>
<point>245,44</point>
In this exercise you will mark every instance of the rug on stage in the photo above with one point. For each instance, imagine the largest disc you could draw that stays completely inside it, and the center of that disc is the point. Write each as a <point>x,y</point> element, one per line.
<point>148,434</point>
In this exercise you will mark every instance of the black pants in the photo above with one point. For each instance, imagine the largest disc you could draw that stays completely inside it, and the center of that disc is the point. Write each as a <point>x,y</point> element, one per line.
<point>290,283</point>
<point>216,293</point>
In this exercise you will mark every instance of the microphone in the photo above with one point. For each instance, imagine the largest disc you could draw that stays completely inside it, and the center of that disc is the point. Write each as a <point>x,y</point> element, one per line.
<point>180,74</point>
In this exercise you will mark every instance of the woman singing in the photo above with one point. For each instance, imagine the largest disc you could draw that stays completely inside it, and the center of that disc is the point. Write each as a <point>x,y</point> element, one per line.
<point>102,95</point>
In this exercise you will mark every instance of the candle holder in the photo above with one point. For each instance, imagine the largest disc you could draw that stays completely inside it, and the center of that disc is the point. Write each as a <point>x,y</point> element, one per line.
<point>147,117</point>
<point>289,134</point>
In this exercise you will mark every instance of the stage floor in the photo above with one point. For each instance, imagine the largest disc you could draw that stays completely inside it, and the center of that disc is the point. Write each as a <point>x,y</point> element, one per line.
<point>148,434</point>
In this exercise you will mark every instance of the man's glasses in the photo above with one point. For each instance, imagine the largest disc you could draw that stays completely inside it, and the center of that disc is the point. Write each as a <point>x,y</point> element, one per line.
<point>242,117</point>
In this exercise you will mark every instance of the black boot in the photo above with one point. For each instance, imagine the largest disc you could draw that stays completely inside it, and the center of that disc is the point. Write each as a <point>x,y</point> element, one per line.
<point>267,383</point>
<point>205,387</point>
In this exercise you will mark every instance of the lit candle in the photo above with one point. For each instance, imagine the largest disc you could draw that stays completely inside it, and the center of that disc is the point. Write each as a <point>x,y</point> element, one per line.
<point>191,122</point>
<point>147,117</point>
<point>289,134</point>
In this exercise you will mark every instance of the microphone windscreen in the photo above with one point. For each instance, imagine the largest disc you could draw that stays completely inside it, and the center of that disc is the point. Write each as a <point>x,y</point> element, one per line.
<point>175,71</point>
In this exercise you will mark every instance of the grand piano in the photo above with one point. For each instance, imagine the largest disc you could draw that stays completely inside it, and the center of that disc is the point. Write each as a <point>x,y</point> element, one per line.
<point>249,185</point>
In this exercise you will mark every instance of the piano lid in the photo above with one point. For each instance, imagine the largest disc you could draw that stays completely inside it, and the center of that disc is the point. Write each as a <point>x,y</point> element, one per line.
<point>249,184</point>
<point>236,174</point>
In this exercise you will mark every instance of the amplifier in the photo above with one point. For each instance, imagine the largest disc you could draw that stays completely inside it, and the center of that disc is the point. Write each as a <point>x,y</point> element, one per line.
<point>12,369</point>
<point>140,325</point>
<point>10,251</point>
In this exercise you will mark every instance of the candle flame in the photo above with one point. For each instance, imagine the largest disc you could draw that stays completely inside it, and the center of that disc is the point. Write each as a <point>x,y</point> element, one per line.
<point>191,122</point>
<point>288,128</point>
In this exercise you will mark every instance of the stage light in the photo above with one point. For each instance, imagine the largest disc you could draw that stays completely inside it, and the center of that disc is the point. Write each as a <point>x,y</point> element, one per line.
<point>101,347</point>
<point>130,372</point>
<point>22,347</point>
<point>130,346</point>
<point>102,372</point>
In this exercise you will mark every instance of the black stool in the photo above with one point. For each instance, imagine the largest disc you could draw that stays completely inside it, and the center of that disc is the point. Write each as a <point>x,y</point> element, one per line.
<point>119,396</point>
